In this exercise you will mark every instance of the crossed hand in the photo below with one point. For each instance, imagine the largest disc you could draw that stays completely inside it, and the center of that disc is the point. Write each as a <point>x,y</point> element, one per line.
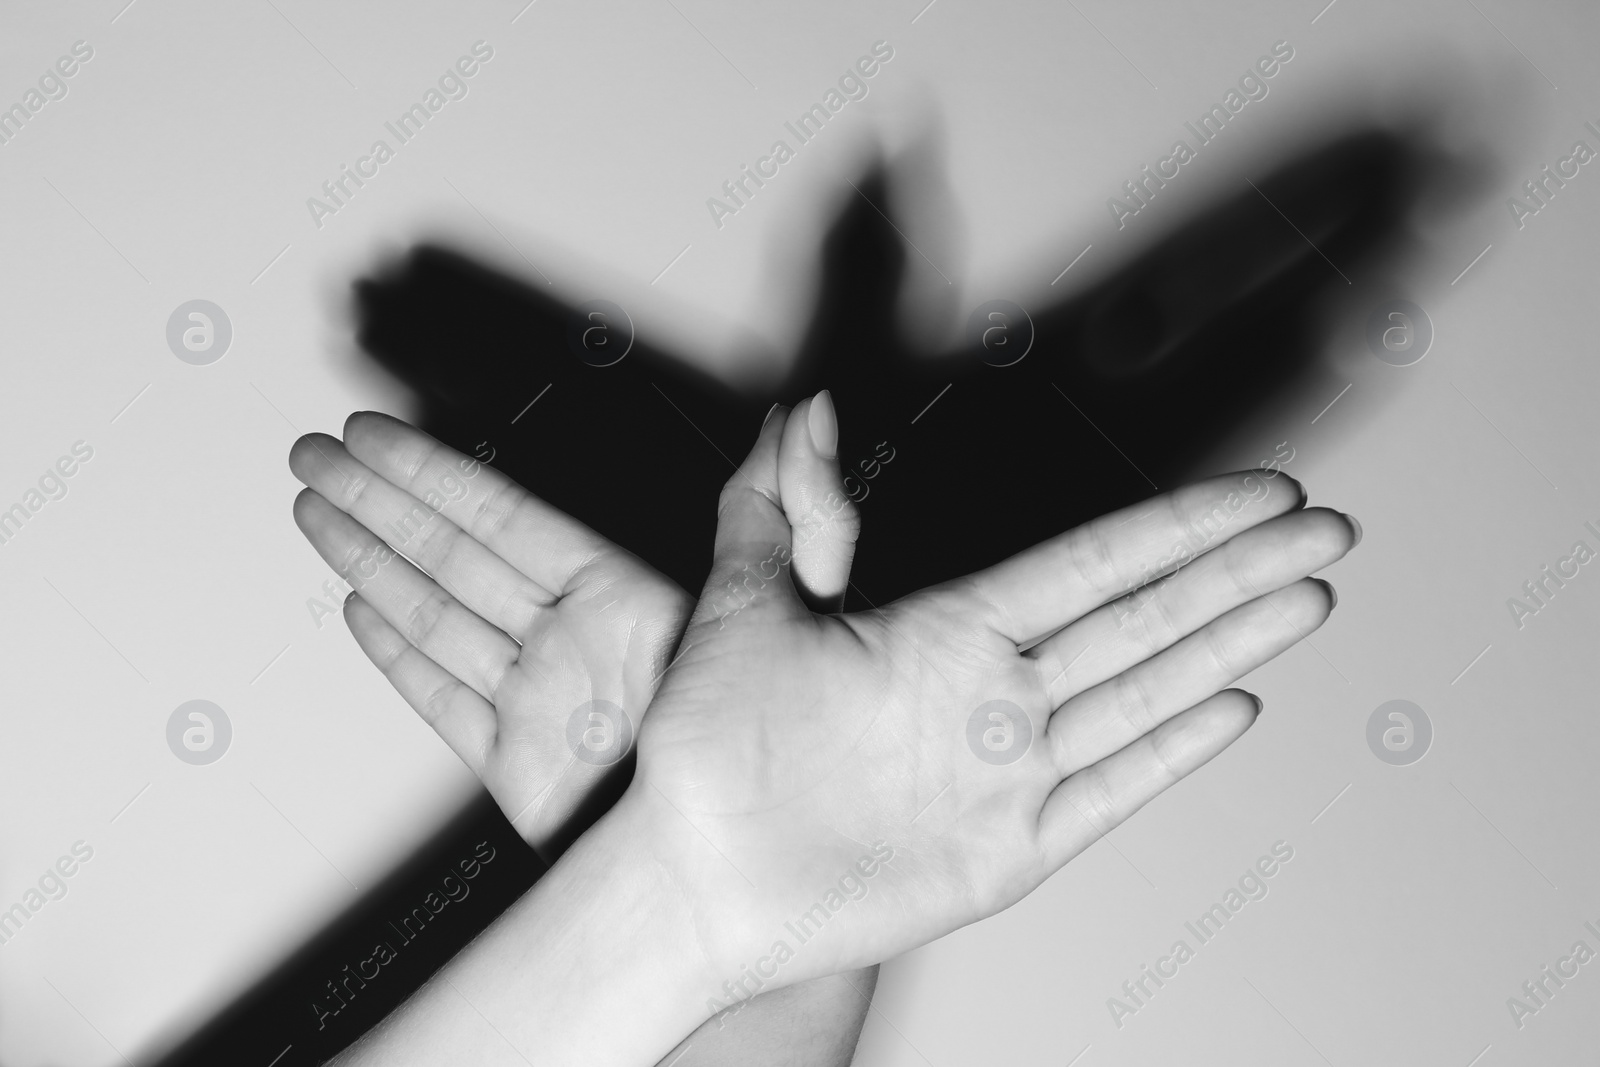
<point>970,738</point>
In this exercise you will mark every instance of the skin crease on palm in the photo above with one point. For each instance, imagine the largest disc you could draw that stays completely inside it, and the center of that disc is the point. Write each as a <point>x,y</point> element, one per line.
<point>783,744</point>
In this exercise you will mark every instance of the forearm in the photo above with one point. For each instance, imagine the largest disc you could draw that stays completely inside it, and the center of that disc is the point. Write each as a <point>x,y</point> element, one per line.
<point>596,964</point>
<point>588,967</point>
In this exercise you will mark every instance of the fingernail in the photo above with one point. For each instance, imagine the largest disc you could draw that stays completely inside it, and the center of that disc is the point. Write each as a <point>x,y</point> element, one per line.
<point>1259,704</point>
<point>1356,526</point>
<point>350,598</point>
<point>768,419</point>
<point>1333,594</point>
<point>824,425</point>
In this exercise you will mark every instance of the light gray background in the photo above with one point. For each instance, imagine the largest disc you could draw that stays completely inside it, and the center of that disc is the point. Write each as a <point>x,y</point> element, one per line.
<point>178,166</point>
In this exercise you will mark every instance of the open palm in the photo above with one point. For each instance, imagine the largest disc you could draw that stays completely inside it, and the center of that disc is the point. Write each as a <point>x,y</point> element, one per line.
<point>939,758</point>
<point>513,616</point>
<point>530,643</point>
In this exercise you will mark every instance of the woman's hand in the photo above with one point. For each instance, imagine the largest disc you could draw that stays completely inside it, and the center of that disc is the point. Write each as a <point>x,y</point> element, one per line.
<point>529,642</point>
<point>830,791</point>
<point>517,616</point>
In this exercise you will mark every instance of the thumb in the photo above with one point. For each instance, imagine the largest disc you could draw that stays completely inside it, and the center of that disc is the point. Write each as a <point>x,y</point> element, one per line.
<point>750,565</point>
<point>824,520</point>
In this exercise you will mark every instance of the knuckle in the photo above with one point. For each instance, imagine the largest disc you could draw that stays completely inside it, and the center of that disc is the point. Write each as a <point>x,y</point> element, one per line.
<point>1224,647</point>
<point>1100,557</point>
<point>847,518</point>
<point>520,607</point>
<point>495,671</point>
<point>443,544</point>
<point>1134,703</point>
<point>423,621</point>
<point>1161,753</point>
<point>1159,627</point>
<point>357,487</point>
<point>436,702</point>
<point>1099,804</point>
<point>494,510</point>
<point>1238,564</point>
<point>418,462</point>
<point>1051,668</point>
<point>388,648</point>
<point>823,525</point>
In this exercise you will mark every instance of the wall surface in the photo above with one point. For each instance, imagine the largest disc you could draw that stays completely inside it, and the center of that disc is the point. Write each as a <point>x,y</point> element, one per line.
<point>184,159</point>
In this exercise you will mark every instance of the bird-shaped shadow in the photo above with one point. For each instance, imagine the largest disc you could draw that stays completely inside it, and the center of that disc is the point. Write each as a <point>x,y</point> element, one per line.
<point>1122,389</point>
<point>1043,416</point>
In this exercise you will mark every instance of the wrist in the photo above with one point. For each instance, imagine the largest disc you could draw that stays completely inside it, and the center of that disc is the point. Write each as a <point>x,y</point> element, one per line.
<point>600,962</point>
<point>733,930</point>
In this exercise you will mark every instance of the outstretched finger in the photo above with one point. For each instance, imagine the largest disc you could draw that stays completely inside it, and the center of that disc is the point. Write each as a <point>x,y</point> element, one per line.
<point>463,719</point>
<point>451,635</point>
<point>471,571</point>
<point>541,541</point>
<point>1104,718</point>
<point>1092,802</point>
<point>1043,588</point>
<point>1133,628</point>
